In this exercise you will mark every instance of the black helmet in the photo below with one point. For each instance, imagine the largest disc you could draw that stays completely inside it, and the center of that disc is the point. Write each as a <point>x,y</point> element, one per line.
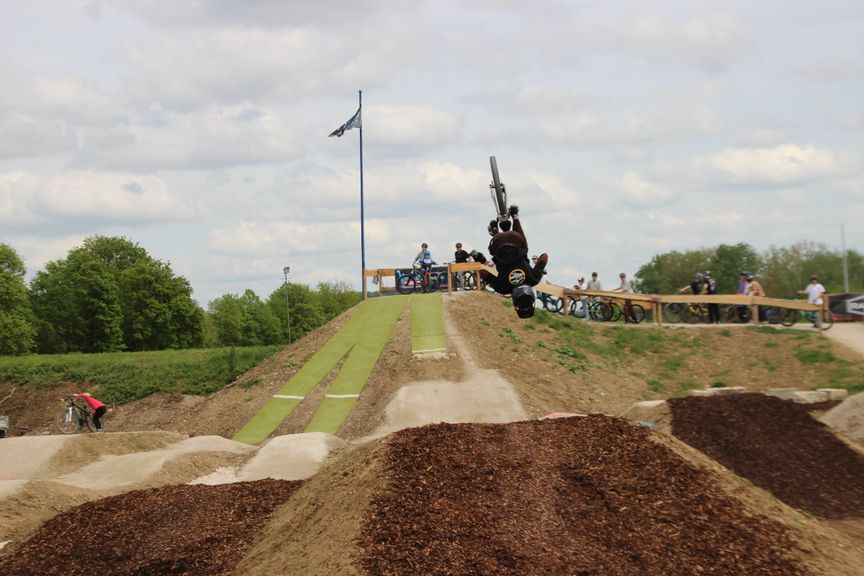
<point>814,277</point>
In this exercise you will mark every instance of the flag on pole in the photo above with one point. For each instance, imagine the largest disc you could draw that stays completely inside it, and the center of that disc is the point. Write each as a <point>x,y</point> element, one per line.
<point>353,122</point>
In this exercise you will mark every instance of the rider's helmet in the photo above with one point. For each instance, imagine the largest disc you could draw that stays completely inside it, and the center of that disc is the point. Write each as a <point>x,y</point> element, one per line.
<point>427,254</point>
<point>698,276</point>
<point>814,277</point>
<point>708,273</point>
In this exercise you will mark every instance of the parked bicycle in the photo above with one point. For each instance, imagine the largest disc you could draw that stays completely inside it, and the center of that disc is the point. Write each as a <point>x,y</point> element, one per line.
<point>788,317</point>
<point>74,416</point>
<point>735,314</point>
<point>418,279</point>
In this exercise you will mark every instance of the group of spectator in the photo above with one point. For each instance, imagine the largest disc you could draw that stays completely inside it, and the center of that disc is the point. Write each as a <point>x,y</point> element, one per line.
<point>424,259</point>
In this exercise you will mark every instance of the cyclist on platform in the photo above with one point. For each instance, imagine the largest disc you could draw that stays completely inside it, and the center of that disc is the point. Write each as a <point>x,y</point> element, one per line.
<point>98,408</point>
<point>461,256</point>
<point>425,263</point>
<point>423,248</point>
<point>509,250</point>
<point>710,288</point>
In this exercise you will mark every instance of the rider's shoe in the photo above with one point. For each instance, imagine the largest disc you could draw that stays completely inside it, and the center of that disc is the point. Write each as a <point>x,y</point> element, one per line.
<point>540,265</point>
<point>514,210</point>
<point>493,227</point>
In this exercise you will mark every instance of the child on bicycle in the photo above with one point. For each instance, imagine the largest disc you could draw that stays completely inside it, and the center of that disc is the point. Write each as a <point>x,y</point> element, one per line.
<point>98,408</point>
<point>509,250</point>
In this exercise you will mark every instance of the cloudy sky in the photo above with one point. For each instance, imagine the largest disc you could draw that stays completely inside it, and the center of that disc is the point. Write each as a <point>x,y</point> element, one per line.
<point>198,129</point>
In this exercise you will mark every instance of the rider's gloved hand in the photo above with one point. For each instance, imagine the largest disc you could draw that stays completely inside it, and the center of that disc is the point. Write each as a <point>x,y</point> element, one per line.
<point>493,227</point>
<point>514,210</point>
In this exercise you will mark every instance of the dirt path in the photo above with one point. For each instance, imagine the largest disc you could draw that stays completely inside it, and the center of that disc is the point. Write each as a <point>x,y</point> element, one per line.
<point>850,335</point>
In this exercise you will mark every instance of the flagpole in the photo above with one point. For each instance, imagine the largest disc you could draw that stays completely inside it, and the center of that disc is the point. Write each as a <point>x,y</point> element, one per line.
<point>362,215</point>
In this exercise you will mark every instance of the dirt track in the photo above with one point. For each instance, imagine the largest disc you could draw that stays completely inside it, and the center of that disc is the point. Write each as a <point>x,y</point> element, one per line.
<point>526,497</point>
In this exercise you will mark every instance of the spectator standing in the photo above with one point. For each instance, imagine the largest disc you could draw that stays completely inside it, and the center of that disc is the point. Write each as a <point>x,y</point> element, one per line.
<point>420,255</point>
<point>625,288</point>
<point>697,286</point>
<point>814,291</point>
<point>742,282</point>
<point>710,288</point>
<point>754,288</point>
<point>593,284</point>
<point>459,256</point>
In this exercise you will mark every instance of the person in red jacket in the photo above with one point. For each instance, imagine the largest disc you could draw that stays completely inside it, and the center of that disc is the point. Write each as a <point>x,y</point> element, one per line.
<point>98,408</point>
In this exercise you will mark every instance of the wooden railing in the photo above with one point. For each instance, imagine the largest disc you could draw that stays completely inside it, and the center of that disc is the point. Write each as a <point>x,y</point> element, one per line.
<point>653,301</point>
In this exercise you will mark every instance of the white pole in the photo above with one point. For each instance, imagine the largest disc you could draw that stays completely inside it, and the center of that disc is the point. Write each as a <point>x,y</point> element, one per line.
<point>845,259</point>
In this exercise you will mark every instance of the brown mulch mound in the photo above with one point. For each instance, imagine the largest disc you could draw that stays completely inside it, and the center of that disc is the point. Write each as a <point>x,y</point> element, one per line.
<point>778,446</point>
<point>183,529</point>
<point>584,496</point>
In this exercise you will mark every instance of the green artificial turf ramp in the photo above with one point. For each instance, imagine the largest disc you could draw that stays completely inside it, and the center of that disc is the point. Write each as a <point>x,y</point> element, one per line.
<point>346,387</point>
<point>427,323</point>
<point>274,412</point>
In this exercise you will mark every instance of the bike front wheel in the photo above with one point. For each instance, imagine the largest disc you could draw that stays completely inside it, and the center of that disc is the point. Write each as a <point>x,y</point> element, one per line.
<point>67,421</point>
<point>638,313</point>
<point>406,284</point>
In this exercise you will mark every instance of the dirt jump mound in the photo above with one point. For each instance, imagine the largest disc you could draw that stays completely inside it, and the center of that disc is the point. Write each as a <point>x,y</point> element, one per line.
<point>778,446</point>
<point>584,496</point>
<point>170,530</point>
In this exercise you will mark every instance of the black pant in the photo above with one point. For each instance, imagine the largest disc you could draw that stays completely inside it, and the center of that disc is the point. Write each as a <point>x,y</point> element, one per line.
<point>714,313</point>
<point>97,416</point>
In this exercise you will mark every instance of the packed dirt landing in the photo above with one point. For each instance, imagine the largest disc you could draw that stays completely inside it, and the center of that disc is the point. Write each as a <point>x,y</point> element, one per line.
<point>484,397</point>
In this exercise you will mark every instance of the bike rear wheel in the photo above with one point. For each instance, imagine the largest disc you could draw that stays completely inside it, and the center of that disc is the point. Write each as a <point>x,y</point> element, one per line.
<point>788,317</point>
<point>499,194</point>
<point>638,313</point>
<point>67,421</point>
<point>672,312</point>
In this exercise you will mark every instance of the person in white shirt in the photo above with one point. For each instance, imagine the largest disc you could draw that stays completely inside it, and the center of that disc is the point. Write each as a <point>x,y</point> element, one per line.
<point>814,292</point>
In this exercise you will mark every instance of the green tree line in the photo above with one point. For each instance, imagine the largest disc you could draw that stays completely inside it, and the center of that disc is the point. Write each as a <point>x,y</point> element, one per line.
<point>781,271</point>
<point>109,295</point>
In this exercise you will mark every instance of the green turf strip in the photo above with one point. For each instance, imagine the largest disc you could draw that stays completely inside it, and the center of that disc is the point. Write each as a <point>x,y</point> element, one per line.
<point>274,412</point>
<point>427,323</point>
<point>346,387</point>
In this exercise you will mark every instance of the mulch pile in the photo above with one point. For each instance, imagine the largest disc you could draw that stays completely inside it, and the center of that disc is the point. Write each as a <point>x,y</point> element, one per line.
<point>778,446</point>
<point>579,496</point>
<point>169,530</point>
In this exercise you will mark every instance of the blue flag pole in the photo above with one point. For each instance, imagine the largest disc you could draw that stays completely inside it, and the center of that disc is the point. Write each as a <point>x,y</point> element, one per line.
<point>362,215</point>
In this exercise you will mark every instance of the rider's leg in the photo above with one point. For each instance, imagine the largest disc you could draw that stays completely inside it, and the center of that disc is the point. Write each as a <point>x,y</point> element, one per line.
<point>97,417</point>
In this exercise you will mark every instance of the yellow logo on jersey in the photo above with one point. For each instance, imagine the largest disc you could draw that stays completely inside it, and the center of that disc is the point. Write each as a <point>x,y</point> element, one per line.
<point>516,277</point>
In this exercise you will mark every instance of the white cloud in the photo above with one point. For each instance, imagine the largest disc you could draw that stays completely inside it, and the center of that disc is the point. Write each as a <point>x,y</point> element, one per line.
<point>783,164</point>
<point>413,127</point>
<point>90,197</point>
<point>214,137</point>
<point>641,192</point>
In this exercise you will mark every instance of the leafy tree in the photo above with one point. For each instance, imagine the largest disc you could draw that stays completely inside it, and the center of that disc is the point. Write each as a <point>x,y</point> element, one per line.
<point>303,307</point>
<point>787,270</point>
<point>77,306</point>
<point>77,301</point>
<point>17,334</point>
<point>668,272</point>
<point>158,309</point>
<point>243,320</point>
<point>336,297</point>
<point>728,261</point>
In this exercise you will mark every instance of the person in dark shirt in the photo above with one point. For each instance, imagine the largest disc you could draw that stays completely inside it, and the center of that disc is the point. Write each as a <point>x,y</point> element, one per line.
<point>710,288</point>
<point>461,255</point>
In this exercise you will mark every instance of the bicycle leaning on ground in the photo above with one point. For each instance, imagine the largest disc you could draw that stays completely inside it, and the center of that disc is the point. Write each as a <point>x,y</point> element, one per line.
<point>75,416</point>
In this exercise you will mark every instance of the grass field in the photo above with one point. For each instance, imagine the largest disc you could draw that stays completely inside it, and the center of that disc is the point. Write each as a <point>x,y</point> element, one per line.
<point>126,376</point>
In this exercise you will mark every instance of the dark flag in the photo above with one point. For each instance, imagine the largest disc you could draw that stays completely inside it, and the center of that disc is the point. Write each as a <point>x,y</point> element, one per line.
<point>353,122</point>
